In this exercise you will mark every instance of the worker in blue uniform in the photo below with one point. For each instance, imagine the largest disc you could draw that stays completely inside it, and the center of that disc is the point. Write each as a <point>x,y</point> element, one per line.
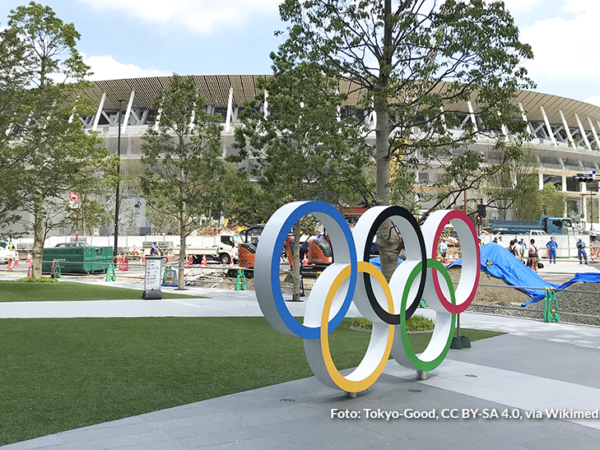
<point>552,245</point>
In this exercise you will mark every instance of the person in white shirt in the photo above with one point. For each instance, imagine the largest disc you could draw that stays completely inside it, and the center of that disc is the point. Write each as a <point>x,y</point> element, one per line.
<point>443,249</point>
<point>592,237</point>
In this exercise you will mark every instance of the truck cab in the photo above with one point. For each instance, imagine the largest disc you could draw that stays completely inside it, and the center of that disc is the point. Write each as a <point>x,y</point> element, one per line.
<point>557,225</point>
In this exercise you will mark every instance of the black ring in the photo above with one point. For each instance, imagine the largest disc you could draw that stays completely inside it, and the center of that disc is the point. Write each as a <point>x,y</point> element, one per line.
<point>394,319</point>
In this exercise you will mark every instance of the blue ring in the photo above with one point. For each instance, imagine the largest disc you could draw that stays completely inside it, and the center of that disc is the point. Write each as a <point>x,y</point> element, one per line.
<point>296,327</point>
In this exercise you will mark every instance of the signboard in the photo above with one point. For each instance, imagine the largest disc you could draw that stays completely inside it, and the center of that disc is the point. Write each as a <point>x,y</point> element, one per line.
<point>73,196</point>
<point>152,279</point>
<point>495,215</point>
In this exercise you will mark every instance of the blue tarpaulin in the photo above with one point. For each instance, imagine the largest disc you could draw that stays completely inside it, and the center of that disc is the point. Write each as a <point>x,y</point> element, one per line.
<point>500,263</point>
<point>578,278</point>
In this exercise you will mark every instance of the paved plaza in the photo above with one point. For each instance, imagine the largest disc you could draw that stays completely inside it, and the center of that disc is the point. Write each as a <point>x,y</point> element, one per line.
<point>535,367</point>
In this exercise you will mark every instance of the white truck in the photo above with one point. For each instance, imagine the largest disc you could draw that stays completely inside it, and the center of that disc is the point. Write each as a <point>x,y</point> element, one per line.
<point>221,248</point>
<point>5,253</point>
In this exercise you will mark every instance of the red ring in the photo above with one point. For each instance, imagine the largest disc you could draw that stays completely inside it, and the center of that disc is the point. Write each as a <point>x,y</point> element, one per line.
<point>458,308</point>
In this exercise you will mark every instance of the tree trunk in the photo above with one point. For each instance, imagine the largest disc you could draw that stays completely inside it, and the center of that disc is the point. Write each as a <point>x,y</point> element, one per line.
<point>297,263</point>
<point>386,241</point>
<point>38,238</point>
<point>182,259</point>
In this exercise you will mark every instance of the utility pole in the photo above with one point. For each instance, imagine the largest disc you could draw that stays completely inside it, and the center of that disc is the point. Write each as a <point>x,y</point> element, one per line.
<point>116,242</point>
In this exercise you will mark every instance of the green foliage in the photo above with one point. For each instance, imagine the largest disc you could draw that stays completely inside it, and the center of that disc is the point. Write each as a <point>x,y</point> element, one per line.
<point>39,280</point>
<point>415,323</point>
<point>300,151</point>
<point>553,201</point>
<point>528,202</point>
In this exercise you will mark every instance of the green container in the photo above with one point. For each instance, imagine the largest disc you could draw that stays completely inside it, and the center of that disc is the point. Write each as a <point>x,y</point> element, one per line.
<point>78,259</point>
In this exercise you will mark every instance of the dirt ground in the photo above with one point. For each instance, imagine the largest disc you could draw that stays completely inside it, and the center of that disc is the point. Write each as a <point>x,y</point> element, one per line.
<point>486,294</point>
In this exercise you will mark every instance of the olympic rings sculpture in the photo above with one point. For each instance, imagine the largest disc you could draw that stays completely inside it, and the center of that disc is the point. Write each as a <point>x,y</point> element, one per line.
<point>351,278</point>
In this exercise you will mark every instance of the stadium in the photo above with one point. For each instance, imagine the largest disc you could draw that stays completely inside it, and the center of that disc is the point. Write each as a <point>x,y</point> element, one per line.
<point>564,132</point>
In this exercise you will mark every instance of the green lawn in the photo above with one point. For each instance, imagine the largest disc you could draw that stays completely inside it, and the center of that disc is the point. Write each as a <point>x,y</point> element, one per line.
<point>60,374</point>
<point>11,291</point>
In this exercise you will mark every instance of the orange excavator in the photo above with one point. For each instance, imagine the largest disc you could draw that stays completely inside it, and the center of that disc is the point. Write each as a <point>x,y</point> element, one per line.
<point>247,249</point>
<point>317,249</point>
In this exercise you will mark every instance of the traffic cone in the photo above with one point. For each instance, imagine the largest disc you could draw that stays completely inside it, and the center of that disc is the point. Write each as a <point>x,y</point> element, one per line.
<point>126,264</point>
<point>203,263</point>
<point>190,262</point>
<point>28,257</point>
<point>119,263</point>
<point>16,259</point>
<point>143,257</point>
<point>305,260</point>
<point>10,266</point>
<point>231,262</point>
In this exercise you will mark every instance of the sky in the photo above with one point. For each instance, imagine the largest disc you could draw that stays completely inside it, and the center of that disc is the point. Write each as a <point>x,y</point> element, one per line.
<point>136,38</point>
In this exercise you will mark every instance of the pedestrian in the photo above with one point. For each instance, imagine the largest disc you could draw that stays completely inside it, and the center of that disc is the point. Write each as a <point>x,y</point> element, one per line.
<point>592,237</point>
<point>581,254</point>
<point>515,249</point>
<point>495,241</point>
<point>523,246</point>
<point>501,242</point>
<point>443,249</point>
<point>532,255</point>
<point>552,245</point>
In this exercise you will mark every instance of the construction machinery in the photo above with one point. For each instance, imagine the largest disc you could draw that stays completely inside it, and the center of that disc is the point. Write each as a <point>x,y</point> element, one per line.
<point>247,248</point>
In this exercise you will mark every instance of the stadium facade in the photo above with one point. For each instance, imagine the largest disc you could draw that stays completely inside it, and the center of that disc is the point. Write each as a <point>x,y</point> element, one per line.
<point>565,133</point>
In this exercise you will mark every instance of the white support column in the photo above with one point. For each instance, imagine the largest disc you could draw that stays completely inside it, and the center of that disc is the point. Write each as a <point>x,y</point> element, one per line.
<point>566,125</point>
<point>99,112</point>
<point>583,187</point>
<point>548,127</point>
<point>585,138</point>
<point>541,177</point>
<point>564,183</point>
<point>472,114</point>
<point>157,121</point>
<point>73,113</point>
<point>504,128</point>
<point>594,132</point>
<point>443,119</point>
<point>266,108</point>
<point>229,110</point>
<point>525,118</point>
<point>128,112</point>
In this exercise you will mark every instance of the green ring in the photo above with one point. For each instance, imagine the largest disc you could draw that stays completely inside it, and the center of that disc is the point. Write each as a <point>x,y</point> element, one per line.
<point>425,366</point>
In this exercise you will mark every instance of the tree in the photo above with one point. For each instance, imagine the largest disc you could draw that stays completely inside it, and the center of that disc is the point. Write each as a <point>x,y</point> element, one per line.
<point>553,201</point>
<point>184,169</point>
<point>301,150</point>
<point>50,152</point>
<point>412,63</point>
<point>528,203</point>
<point>13,82</point>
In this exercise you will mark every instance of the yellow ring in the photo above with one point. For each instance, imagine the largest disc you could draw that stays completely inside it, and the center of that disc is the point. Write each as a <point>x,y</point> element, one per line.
<point>341,381</point>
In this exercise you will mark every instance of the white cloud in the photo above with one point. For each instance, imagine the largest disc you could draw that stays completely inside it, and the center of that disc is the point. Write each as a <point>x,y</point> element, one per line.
<point>593,99</point>
<point>566,47</point>
<point>198,15</point>
<point>106,68</point>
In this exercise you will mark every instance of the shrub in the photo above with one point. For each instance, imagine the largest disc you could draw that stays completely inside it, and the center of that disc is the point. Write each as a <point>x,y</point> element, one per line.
<point>415,323</point>
<point>33,280</point>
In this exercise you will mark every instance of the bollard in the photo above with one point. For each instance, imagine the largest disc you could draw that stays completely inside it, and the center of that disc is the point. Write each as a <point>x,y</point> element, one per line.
<point>110,273</point>
<point>10,265</point>
<point>240,282</point>
<point>551,311</point>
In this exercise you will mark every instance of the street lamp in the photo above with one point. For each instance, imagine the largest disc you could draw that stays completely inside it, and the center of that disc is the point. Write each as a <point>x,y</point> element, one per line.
<point>116,242</point>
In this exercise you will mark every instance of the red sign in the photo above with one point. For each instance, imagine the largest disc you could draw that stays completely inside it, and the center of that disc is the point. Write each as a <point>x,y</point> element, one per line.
<point>74,196</point>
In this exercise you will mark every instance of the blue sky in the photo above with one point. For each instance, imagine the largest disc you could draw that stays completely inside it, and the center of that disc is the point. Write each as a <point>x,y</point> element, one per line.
<point>128,38</point>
